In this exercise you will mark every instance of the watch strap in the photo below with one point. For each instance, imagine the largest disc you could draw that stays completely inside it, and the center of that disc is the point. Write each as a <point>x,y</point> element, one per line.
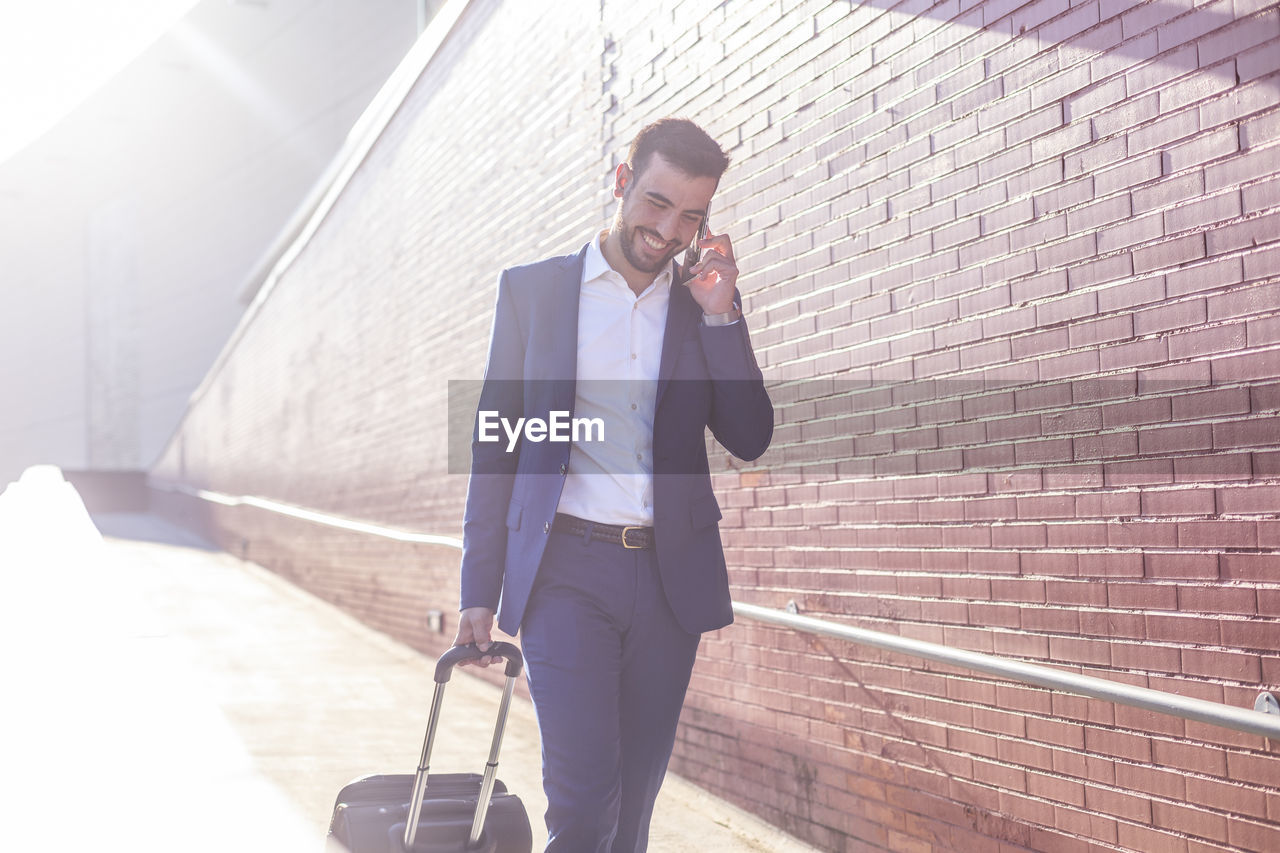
<point>726,318</point>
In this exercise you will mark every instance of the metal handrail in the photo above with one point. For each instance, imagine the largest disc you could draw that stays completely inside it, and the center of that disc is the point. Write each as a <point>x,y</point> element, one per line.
<point>1257,722</point>
<point>327,519</point>
<point>1215,713</point>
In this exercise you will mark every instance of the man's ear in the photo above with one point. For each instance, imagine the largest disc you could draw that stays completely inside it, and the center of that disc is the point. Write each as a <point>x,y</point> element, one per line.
<point>621,178</point>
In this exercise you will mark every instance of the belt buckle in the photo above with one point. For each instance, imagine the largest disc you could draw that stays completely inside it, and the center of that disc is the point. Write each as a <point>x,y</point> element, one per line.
<point>624,538</point>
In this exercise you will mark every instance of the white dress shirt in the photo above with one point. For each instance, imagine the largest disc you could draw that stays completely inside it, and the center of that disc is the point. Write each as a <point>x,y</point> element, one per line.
<point>619,349</point>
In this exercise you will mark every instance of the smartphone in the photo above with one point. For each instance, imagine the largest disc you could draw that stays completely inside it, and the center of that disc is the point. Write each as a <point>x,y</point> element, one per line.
<point>693,254</point>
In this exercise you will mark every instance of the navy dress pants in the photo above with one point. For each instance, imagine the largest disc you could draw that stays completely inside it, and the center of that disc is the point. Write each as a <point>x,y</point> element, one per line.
<point>607,665</point>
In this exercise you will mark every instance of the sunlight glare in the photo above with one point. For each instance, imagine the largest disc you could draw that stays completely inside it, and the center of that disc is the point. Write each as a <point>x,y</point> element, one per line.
<point>55,55</point>
<point>101,699</point>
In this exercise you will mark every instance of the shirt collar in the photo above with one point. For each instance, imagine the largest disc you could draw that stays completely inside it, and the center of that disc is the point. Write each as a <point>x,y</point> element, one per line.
<point>595,266</point>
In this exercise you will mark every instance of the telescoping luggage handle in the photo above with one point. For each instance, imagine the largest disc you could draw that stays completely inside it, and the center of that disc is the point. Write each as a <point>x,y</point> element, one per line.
<point>444,669</point>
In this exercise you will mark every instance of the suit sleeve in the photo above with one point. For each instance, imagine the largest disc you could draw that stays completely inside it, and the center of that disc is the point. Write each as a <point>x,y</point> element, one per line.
<point>741,412</point>
<point>484,530</point>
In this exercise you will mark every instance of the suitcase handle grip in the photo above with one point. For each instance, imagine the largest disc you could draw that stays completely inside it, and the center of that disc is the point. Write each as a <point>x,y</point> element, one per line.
<point>444,669</point>
<point>457,654</point>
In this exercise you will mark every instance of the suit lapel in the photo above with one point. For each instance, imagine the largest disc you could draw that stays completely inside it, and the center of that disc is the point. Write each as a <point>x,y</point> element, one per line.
<point>682,314</point>
<point>563,324</point>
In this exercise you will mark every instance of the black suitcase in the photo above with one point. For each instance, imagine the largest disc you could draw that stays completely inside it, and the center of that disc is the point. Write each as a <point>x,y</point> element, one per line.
<point>441,812</point>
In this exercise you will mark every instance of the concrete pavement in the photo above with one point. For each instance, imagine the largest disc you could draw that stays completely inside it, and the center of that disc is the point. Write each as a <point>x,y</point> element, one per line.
<point>164,695</point>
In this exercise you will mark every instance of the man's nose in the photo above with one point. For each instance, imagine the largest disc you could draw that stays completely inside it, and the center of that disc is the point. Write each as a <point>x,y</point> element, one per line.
<point>669,226</point>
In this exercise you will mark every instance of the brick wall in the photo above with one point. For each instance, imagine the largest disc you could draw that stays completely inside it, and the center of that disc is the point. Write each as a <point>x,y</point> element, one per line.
<point>1013,270</point>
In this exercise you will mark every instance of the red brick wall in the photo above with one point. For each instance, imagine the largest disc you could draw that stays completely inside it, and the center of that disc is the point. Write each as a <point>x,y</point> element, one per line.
<point>1019,266</point>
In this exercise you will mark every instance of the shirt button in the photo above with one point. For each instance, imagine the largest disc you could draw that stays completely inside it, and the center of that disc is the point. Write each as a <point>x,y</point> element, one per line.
<point>633,355</point>
<point>633,407</point>
<point>546,527</point>
<point>640,457</point>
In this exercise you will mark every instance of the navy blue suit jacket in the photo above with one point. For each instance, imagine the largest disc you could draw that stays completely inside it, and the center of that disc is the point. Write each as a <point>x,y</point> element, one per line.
<point>707,377</point>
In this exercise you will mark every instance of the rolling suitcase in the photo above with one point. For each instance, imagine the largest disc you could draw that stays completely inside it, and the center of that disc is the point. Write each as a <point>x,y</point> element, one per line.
<point>441,812</point>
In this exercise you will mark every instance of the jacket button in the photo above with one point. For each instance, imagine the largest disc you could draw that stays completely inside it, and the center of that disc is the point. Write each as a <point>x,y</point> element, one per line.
<point>564,469</point>
<point>546,527</point>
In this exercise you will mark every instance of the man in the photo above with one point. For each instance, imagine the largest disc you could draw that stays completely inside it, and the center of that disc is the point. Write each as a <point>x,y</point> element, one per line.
<point>605,553</point>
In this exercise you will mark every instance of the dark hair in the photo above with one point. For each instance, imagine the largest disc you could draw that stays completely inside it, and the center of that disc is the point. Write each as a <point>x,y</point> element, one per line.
<point>682,144</point>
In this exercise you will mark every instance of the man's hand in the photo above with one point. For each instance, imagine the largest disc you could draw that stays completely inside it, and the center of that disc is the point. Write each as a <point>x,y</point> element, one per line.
<point>715,276</point>
<point>475,625</point>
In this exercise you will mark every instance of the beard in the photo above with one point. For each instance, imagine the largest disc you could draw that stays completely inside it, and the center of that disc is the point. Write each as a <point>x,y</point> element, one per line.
<point>637,255</point>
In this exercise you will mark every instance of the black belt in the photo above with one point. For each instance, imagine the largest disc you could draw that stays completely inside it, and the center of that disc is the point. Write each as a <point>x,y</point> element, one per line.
<point>630,537</point>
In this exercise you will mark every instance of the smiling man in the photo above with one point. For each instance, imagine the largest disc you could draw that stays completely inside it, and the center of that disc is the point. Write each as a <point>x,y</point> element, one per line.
<point>606,554</point>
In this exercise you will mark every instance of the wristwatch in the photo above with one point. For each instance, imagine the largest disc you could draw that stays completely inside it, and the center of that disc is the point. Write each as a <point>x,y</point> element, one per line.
<point>727,318</point>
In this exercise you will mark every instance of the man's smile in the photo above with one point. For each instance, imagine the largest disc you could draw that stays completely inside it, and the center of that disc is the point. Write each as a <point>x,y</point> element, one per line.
<point>653,243</point>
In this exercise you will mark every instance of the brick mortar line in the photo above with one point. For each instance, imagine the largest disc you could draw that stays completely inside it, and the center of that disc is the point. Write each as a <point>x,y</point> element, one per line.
<point>1130,279</point>
<point>1190,108</point>
<point>1237,418</point>
<point>1056,408</point>
<point>1024,468</point>
<point>1118,372</point>
<point>1057,748</point>
<point>1166,675</point>
<point>1074,607</point>
<point>1050,717</point>
<point>1038,577</point>
<point>1008,633</point>
<point>1070,236</point>
<point>1045,49</point>
<point>1035,521</point>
